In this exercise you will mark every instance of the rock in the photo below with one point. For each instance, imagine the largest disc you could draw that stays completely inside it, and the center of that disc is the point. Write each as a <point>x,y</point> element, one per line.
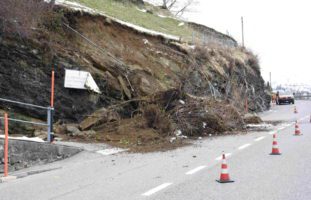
<point>89,132</point>
<point>173,139</point>
<point>35,51</point>
<point>59,129</point>
<point>252,119</point>
<point>178,133</point>
<point>40,134</point>
<point>73,130</point>
<point>99,117</point>
<point>182,102</point>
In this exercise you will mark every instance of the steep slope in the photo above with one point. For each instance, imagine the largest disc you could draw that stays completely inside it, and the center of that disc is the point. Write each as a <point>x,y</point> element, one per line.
<point>152,87</point>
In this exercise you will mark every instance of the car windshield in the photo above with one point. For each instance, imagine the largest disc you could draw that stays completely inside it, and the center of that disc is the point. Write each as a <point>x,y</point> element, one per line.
<point>284,93</point>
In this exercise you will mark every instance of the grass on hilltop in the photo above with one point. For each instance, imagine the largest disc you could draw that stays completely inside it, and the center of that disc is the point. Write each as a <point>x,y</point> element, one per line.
<point>129,13</point>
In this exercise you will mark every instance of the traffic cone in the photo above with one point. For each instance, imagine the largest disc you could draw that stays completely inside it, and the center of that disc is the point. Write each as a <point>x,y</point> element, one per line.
<point>297,130</point>
<point>295,110</point>
<point>275,148</point>
<point>224,176</point>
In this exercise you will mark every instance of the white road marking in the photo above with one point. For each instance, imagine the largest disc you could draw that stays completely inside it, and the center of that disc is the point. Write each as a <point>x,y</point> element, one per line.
<point>272,132</point>
<point>260,138</point>
<point>220,157</point>
<point>156,189</point>
<point>281,128</point>
<point>195,170</point>
<point>112,151</point>
<point>244,146</point>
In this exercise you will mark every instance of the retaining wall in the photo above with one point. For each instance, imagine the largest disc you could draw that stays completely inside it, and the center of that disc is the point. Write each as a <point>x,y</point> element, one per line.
<point>23,154</point>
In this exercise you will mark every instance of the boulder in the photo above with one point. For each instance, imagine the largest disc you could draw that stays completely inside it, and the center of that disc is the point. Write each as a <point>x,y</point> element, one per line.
<point>99,117</point>
<point>252,119</point>
<point>73,130</point>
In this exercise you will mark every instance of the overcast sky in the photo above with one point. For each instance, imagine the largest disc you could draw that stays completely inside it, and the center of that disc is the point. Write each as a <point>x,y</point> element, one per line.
<point>279,31</point>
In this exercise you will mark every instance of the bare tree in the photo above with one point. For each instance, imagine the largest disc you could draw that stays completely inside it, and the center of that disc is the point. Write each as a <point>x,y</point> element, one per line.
<point>22,16</point>
<point>178,7</point>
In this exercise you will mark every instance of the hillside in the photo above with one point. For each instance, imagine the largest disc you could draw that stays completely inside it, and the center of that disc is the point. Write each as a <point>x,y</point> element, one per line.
<point>154,88</point>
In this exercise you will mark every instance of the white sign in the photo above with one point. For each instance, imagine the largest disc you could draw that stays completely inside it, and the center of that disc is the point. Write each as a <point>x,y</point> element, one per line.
<point>80,80</point>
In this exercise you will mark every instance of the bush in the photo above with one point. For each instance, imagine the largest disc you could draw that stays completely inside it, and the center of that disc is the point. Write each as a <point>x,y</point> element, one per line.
<point>157,119</point>
<point>201,53</point>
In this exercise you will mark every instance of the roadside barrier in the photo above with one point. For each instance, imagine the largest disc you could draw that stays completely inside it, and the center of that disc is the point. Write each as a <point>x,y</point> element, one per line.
<point>49,109</point>
<point>295,110</point>
<point>224,175</point>
<point>275,147</point>
<point>297,130</point>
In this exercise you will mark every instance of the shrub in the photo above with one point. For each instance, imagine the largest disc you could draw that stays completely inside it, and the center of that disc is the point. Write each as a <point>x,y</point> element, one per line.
<point>157,119</point>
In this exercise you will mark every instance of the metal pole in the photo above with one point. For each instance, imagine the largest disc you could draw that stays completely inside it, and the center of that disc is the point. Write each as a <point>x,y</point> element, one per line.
<point>49,124</point>
<point>6,145</point>
<point>270,81</point>
<point>242,23</point>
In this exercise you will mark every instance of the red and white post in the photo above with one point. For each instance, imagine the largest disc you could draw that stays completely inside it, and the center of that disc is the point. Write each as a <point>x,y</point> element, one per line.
<point>51,109</point>
<point>52,88</point>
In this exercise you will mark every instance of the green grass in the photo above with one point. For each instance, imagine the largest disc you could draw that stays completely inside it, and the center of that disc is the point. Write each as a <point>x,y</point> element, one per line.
<point>129,13</point>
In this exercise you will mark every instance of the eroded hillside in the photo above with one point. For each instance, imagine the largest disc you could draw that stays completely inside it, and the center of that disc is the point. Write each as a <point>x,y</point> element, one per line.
<point>155,91</point>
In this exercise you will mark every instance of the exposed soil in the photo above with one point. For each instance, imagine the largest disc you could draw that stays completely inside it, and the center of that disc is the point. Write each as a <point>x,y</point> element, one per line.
<point>154,89</point>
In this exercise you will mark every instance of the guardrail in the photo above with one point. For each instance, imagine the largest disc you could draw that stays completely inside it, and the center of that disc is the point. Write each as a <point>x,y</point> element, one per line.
<point>49,109</point>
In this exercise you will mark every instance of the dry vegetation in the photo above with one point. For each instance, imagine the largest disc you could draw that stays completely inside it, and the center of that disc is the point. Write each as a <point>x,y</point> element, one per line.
<point>149,94</point>
<point>23,17</point>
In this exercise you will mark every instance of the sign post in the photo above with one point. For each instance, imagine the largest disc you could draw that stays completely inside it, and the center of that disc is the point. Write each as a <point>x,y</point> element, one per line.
<point>50,110</point>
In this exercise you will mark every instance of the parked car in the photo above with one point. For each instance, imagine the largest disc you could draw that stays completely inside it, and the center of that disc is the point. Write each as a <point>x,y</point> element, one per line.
<point>283,97</point>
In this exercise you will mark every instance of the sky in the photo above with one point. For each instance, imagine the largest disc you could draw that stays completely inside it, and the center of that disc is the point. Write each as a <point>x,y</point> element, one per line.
<point>278,31</point>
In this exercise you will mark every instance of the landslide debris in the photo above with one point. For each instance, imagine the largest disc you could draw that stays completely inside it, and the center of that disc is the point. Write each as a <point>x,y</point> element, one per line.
<point>153,89</point>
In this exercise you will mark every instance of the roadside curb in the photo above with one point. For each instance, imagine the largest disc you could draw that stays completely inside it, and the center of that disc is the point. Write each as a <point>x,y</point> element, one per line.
<point>7,179</point>
<point>25,174</point>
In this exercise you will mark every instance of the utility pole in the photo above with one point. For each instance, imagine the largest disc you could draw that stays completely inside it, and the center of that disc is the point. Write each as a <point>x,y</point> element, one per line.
<point>242,24</point>
<point>270,80</point>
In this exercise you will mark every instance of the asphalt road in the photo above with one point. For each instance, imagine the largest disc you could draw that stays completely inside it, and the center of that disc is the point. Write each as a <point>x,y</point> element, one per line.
<point>185,173</point>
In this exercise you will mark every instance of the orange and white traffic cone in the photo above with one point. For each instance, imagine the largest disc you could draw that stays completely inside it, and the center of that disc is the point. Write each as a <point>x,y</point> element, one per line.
<point>224,176</point>
<point>297,130</point>
<point>295,110</point>
<point>275,147</point>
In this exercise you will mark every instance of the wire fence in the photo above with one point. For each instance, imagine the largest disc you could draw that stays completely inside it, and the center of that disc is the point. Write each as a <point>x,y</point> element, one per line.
<point>49,121</point>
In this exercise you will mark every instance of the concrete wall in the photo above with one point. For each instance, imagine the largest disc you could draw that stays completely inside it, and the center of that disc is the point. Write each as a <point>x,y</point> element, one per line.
<point>23,154</point>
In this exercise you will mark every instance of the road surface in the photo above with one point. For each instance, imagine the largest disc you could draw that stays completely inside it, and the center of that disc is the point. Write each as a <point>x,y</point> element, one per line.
<point>186,173</point>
